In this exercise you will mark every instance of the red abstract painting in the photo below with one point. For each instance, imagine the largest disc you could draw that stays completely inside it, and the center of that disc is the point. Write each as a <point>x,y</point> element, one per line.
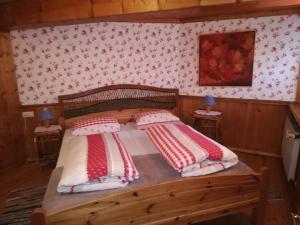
<point>226,59</point>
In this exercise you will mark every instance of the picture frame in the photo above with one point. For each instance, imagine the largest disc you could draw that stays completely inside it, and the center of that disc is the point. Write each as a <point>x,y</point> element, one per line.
<point>226,59</point>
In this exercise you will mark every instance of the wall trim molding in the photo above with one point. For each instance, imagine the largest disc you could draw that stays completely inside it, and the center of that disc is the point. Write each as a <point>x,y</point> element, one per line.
<point>253,101</point>
<point>255,152</point>
<point>29,107</point>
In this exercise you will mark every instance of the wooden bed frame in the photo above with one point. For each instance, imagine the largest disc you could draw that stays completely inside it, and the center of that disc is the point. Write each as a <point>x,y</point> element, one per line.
<point>155,201</point>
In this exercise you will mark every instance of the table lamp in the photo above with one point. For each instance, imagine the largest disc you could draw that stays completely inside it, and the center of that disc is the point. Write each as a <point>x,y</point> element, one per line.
<point>46,116</point>
<point>209,101</point>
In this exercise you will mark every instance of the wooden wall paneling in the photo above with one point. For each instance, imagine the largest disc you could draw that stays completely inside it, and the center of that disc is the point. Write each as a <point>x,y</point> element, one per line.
<point>107,7</point>
<point>11,132</point>
<point>60,10</point>
<point>175,4</point>
<point>298,88</point>
<point>5,159</point>
<point>187,105</point>
<point>7,16</point>
<point>247,125</point>
<point>233,118</point>
<point>241,10</point>
<point>28,12</point>
<point>216,2</point>
<point>234,124</point>
<point>133,6</point>
<point>266,124</point>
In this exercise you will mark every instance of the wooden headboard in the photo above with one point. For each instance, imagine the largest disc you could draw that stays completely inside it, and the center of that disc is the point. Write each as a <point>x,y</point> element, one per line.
<point>114,99</point>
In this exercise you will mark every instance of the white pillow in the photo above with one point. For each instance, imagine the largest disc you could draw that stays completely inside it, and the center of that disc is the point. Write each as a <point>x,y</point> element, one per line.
<point>96,125</point>
<point>153,117</point>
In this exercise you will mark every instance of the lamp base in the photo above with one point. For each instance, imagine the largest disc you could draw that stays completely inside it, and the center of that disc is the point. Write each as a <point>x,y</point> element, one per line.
<point>208,108</point>
<point>46,123</point>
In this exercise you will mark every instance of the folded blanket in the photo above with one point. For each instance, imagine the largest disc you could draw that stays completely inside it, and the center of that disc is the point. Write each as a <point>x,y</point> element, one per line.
<point>97,162</point>
<point>189,151</point>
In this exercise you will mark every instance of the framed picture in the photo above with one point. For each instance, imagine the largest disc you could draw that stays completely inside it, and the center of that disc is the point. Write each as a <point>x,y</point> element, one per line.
<point>226,59</point>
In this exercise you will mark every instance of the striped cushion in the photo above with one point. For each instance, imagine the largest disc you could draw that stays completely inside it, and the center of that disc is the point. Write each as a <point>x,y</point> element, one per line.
<point>96,125</point>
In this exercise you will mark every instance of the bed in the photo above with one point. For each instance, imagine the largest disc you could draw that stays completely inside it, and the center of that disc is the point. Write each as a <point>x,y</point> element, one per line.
<point>161,195</point>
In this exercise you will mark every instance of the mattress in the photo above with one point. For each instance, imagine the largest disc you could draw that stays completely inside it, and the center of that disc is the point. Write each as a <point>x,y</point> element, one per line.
<point>135,141</point>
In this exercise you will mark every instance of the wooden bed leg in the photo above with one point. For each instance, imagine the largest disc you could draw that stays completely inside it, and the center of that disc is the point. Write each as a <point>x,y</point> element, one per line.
<point>38,217</point>
<point>259,213</point>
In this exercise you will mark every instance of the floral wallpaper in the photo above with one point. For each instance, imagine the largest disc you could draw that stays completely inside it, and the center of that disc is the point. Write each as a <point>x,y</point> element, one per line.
<point>276,59</point>
<point>60,60</point>
<point>52,61</point>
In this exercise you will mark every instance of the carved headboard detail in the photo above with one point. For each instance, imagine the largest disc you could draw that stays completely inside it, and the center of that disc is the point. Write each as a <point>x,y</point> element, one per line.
<point>118,97</point>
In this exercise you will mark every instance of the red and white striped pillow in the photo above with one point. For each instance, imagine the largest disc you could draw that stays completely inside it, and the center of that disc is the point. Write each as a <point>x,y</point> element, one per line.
<point>96,125</point>
<point>154,117</point>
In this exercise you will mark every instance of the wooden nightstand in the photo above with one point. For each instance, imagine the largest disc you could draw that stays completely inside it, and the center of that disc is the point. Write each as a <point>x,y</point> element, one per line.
<point>208,123</point>
<point>47,143</point>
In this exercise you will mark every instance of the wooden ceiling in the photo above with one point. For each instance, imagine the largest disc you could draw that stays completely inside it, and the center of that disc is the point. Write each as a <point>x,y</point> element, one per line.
<point>33,13</point>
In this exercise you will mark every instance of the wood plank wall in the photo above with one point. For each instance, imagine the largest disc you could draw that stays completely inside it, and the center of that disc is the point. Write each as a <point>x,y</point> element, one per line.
<point>11,124</point>
<point>247,125</point>
<point>28,13</point>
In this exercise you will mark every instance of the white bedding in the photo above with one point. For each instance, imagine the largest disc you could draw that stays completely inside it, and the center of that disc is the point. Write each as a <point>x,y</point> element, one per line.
<point>135,141</point>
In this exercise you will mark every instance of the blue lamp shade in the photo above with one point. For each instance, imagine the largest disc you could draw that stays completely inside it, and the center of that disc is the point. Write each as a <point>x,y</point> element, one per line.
<point>209,100</point>
<point>46,115</point>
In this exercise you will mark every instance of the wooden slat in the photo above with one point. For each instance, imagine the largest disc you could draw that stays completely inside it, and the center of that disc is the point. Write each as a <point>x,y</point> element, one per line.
<point>175,4</point>
<point>165,11</point>
<point>133,6</point>
<point>7,16</point>
<point>242,9</point>
<point>295,109</point>
<point>234,124</point>
<point>59,10</point>
<point>107,7</point>
<point>266,124</point>
<point>216,2</point>
<point>28,12</point>
<point>259,213</point>
<point>165,201</point>
<point>11,140</point>
<point>298,89</point>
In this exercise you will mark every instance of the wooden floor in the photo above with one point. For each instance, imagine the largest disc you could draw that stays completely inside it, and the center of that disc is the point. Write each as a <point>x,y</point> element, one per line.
<point>279,206</point>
